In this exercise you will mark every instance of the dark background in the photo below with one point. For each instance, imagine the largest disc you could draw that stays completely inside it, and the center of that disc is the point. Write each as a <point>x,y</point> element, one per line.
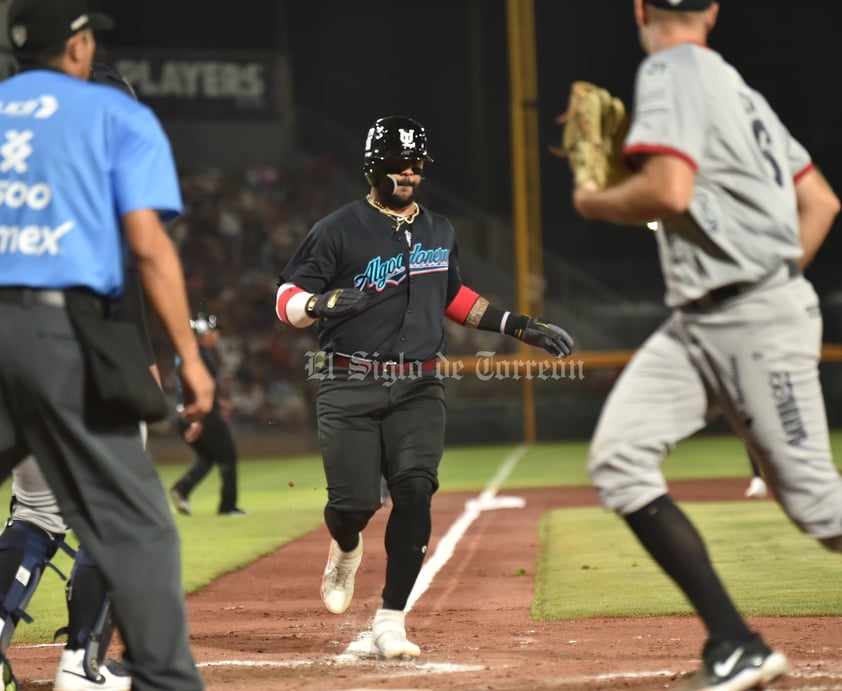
<point>444,62</point>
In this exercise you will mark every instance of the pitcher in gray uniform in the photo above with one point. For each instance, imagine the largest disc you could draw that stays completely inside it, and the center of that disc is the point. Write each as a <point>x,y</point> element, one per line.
<point>741,210</point>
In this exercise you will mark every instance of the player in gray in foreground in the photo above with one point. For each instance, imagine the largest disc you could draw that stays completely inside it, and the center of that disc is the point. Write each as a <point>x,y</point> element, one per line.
<point>742,209</point>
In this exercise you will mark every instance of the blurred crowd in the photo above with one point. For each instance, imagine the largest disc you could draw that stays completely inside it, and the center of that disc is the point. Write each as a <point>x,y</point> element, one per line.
<point>236,233</point>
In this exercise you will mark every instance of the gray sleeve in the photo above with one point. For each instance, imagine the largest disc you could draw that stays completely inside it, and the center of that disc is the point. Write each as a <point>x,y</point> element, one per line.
<point>798,157</point>
<point>669,115</point>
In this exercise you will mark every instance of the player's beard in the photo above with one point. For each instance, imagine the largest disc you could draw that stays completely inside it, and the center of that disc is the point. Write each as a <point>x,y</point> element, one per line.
<point>396,196</point>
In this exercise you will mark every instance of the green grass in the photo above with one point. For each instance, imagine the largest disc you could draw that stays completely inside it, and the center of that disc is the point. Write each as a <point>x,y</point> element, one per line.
<point>591,565</point>
<point>211,544</point>
<point>278,513</point>
<point>589,544</point>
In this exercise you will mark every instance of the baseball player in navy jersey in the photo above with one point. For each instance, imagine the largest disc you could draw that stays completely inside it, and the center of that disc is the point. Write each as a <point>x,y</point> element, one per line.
<point>92,175</point>
<point>378,276</point>
<point>741,210</point>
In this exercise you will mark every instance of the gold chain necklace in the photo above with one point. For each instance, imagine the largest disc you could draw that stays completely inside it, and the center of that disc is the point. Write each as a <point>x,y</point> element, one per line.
<point>397,218</point>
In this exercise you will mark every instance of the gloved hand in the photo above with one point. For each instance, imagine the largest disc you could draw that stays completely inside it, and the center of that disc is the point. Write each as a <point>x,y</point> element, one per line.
<point>550,337</point>
<point>595,126</point>
<point>341,302</point>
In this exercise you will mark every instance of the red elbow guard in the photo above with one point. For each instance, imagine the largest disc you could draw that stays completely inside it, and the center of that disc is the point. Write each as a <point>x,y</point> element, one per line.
<point>460,306</point>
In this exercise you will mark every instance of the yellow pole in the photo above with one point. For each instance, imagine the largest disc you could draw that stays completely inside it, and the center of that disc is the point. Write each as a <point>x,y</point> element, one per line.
<point>526,200</point>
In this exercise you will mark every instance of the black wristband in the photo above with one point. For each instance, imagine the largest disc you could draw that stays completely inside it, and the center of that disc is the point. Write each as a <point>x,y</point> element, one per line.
<point>492,319</point>
<point>515,325</point>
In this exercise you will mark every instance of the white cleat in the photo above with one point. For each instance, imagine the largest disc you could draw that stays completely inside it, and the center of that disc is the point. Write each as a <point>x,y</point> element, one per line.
<point>756,488</point>
<point>388,635</point>
<point>71,676</point>
<point>179,501</point>
<point>338,578</point>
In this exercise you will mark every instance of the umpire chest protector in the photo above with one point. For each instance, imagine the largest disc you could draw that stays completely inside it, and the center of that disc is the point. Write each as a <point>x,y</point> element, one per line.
<point>410,273</point>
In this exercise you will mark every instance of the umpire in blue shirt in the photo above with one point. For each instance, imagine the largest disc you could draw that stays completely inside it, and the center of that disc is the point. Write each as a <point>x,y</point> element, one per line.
<point>87,173</point>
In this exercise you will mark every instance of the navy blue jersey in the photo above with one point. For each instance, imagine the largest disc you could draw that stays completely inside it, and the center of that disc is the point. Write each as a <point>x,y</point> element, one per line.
<point>410,282</point>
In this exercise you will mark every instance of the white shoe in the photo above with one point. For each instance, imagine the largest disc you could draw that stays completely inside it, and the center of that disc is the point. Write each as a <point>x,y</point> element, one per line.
<point>338,578</point>
<point>71,676</point>
<point>179,501</point>
<point>756,488</point>
<point>388,635</point>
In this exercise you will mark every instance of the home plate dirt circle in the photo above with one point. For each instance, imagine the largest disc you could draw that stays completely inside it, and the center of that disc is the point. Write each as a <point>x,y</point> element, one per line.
<point>264,628</point>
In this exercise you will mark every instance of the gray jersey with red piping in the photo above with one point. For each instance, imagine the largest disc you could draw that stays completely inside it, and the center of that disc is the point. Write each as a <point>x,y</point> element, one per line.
<point>742,221</point>
<point>744,339</point>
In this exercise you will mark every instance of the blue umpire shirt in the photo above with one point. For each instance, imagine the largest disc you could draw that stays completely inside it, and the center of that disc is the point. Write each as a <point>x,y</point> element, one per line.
<point>75,157</point>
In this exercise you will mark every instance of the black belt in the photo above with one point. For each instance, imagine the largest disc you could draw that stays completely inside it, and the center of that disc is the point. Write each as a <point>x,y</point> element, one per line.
<point>714,298</point>
<point>32,296</point>
<point>379,366</point>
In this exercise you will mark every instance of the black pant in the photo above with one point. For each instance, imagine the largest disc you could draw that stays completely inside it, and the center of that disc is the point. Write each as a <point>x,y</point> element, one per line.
<point>214,445</point>
<point>368,430</point>
<point>106,485</point>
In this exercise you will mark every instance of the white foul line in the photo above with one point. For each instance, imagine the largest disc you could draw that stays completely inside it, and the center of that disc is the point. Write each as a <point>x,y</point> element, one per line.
<point>486,501</point>
<point>473,508</point>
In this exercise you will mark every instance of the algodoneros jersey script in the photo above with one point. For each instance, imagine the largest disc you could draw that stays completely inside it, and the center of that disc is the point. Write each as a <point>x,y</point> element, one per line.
<point>411,274</point>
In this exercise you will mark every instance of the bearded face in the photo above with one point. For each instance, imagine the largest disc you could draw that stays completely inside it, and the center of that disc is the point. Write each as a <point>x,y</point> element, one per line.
<point>396,181</point>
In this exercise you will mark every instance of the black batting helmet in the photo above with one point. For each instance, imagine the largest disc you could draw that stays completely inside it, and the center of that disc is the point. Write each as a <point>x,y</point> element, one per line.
<point>203,324</point>
<point>103,74</point>
<point>394,137</point>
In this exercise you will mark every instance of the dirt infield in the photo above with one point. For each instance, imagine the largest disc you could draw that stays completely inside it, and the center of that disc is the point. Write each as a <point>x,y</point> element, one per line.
<point>264,628</point>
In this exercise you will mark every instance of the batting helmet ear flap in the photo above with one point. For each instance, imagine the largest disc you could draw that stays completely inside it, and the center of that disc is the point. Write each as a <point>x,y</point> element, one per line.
<point>374,175</point>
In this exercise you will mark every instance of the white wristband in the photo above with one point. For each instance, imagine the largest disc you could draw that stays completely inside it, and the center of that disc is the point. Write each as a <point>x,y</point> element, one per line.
<point>295,314</point>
